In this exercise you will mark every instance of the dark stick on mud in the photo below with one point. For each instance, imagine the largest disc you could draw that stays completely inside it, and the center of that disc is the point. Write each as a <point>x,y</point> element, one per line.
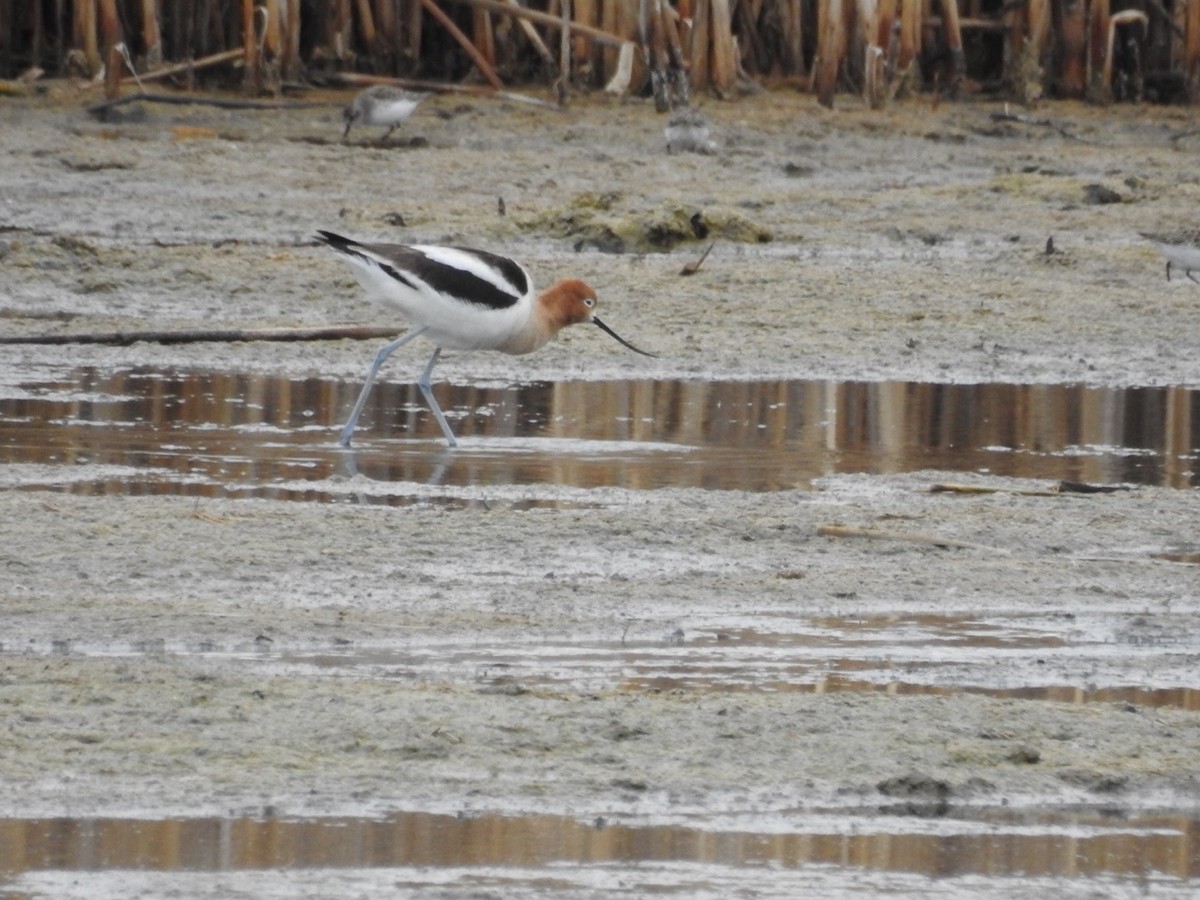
<point>209,335</point>
<point>99,109</point>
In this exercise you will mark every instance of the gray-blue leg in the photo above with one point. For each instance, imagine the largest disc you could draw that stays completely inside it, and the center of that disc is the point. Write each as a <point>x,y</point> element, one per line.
<point>380,358</point>
<point>427,393</point>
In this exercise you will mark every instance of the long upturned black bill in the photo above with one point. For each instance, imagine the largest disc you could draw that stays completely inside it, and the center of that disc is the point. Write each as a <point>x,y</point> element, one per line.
<point>622,340</point>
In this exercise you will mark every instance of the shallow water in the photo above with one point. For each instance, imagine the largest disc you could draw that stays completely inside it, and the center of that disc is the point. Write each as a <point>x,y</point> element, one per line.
<point>993,842</point>
<point>1019,657</point>
<point>229,434</point>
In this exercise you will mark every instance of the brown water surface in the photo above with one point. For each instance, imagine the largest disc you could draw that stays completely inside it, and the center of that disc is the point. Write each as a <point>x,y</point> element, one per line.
<point>987,842</point>
<point>229,434</point>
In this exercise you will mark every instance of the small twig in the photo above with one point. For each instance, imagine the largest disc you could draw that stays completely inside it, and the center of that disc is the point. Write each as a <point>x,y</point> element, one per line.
<point>99,109</point>
<point>882,534</point>
<point>693,267</point>
<point>354,79</point>
<point>955,488</point>
<point>210,335</point>
<point>190,65</point>
<point>1043,123</point>
<point>596,35</point>
<point>1063,487</point>
<point>1187,559</point>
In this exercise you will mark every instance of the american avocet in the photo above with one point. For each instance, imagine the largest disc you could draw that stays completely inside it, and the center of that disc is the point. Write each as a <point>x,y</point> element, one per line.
<point>381,104</point>
<point>461,299</point>
<point>1180,248</point>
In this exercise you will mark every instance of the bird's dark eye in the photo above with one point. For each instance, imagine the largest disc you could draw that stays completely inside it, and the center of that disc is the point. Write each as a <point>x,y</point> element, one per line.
<point>589,302</point>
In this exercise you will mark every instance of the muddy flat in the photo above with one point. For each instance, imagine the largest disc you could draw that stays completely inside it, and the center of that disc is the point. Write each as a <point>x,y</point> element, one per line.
<point>707,623</point>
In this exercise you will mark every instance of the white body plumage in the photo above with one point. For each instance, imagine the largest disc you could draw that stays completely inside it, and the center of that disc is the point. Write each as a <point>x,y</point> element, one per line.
<point>454,321</point>
<point>461,299</point>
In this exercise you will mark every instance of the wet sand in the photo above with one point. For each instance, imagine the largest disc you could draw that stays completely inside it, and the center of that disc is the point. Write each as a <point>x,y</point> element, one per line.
<point>158,650</point>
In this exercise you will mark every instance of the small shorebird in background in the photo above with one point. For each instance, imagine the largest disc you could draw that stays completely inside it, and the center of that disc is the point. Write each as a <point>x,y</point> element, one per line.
<point>461,299</point>
<point>381,104</point>
<point>687,131</point>
<point>1179,248</point>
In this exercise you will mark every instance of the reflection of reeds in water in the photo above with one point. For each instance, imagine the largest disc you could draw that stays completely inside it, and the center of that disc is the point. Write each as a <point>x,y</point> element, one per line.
<point>1075,845</point>
<point>228,428</point>
<point>878,46</point>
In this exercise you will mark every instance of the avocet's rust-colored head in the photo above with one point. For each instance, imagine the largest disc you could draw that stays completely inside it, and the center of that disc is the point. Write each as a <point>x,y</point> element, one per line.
<point>572,302</point>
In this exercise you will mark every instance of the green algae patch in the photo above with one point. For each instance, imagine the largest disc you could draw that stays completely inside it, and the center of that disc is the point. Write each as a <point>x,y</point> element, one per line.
<point>612,224</point>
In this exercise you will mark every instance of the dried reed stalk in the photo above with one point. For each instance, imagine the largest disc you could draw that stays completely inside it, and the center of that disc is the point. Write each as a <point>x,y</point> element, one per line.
<point>564,45</point>
<point>114,47</point>
<point>413,29</point>
<point>654,49</point>
<point>1072,48</point>
<point>85,37</point>
<point>724,58</point>
<point>584,12</point>
<point>483,36</point>
<point>1191,51</point>
<point>791,36</point>
<point>953,29</point>
<point>831,49</point>
<point>883,534</point>
<point>366,24</point>
<point>531,35</point>
<point>292,65</point>
<point>455,32</point>
<point>910,34</point>
<point>1124,17</point>
<point>151,35</point>
<point>190,65</point>
<point>252,83</point>
<point>387,37</point>
<point>541,18</point>
<point>274,59</point>
<point>879,64</point>
<point>701,68</point>
<point>1097,56</point>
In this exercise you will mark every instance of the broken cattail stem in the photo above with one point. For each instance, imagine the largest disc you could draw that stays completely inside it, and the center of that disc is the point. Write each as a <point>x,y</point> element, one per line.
<point>1191,52</point>
<point>214,60</point>
<point>292,66</point>
<point>114,47</point>
<point>85,36</point>
<point>455,32</point>
<point>654,49</point>
<point>791,37</point>
<point>724,61</point>
<point>953,31</point>
<point>484,35</point>
<point>1124,17</point>
<point>910,33</point>
<point>831,47</point>
<point>385,23</point>
<point>701,60</point>
<point>883,534</point>
<point>366,23</point>
<point>531,34</point>
<point>500,6</point>
<point>564,42</point>
<point>1072,46</point>
<point>151,36</point>
<point>253,79</point>
<point>189,99</point>
<point>352,79</point>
